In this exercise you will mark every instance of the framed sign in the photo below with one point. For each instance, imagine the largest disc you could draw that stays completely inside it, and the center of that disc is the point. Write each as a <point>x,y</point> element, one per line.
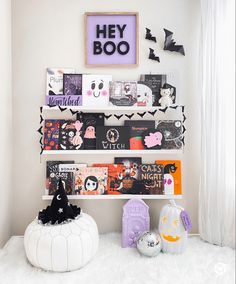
<point>111,39</point>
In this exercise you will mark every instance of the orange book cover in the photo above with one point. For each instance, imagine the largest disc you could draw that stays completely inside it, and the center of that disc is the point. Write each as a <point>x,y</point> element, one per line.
<point>115,177</point>
<point>172,176</point>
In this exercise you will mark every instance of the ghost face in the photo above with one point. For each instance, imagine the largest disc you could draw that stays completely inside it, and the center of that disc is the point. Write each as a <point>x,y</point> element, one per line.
<point>144,95</point>
<point>168,184</point>
<point>97,88</point>
<point>91,183</point>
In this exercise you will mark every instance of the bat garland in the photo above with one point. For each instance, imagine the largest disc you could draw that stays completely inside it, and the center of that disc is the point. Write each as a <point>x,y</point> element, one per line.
<point>118,116</point>
<point>129,116</point>
<point>152,112</point>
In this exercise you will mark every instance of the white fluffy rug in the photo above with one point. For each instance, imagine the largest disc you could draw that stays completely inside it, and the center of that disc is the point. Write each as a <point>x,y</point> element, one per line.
<point>201,263</point>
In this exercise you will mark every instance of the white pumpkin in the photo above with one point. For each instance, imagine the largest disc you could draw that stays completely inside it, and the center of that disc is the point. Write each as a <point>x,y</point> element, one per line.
<point>63,247</point>
<point>171,229</point>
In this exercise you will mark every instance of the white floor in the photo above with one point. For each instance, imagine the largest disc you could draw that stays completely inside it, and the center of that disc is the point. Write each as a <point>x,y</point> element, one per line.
<point>201,263</point>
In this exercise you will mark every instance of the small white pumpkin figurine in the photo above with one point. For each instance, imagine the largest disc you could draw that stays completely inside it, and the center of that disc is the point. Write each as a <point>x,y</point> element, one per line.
<point>171,229</point>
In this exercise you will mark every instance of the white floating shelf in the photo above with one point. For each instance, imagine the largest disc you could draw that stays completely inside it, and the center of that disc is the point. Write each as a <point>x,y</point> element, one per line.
<point>105,108</point>
<point>118,152</point>
<point>121,196</point>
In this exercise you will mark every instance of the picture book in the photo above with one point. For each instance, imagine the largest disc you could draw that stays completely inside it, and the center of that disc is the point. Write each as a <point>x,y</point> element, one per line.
<point>115,177</point>
<point>137,127</point>
<point>51,134</point>
<point>90,122</point>
<point>70,135</point>
<point>54,89</point>
<point>152,176</point>
<point>172,176</point>
<point>53,175</point>
<point>96,90</point>
<point>91,180</point>
<point>70,167</point>
<point>72,86</point>
<point>123,93</point>
<point>112,137</point>
<point>172,131</point>
<point>144,94</point>
<point>156,81</point>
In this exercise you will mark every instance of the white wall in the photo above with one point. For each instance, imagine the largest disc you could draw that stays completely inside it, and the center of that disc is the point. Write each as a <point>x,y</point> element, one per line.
<point>50,34</point>
<point>6,120</point>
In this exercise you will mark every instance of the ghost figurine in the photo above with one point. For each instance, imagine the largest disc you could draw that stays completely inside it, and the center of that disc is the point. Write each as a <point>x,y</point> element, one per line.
<point>167,95</point>
<point>168,184</point>
<point>144,96</point>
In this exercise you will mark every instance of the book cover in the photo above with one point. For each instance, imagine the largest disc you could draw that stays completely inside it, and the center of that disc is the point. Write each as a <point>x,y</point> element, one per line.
<point>70,135</point>
<point>112,137</point>
<point>51,134</point>
<point>53,175</point>
<point>91,180</point>
<point>96,90</point>
<point>137,127</point>
<point>144,94</point>
<point>72,88</point>
<point>152,176</point>
<point>172,176</point>
<point>131,173</point>
<point>115,177</point>
<point>123,93</point>
<point>156,81</point>
<point>54,89</point>
<point>90,122</point>
<point>172,131</point>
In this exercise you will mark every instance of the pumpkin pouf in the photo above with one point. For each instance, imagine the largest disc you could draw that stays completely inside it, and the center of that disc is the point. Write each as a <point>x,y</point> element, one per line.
<point>64,246</point>
<point>171,229</point>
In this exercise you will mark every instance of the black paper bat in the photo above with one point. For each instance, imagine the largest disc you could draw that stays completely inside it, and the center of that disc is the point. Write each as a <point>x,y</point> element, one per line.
<point>73,112</point>
<point>41,141</point>
<point>51,105</point>
<point>41,119</point>
<point>41,109</point>
<point>141,114</point>
<point>184,118</point>
<point>152,55</point>
<point>183,140</point>
<point>40,130</point>
<point>153,112</point>
<point>62,108</point>
<point>170,44</point>
<point>184,129</point>
<point>183,108</point>
<point>164,109</point>
<point>107,116</point>
<point>118,116</point>
<point>129,116</point>
<point>174,107</point>
<point>149,35</point>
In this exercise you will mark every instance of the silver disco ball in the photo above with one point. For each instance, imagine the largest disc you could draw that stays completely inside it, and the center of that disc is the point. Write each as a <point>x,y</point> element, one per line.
<point>149,244</point>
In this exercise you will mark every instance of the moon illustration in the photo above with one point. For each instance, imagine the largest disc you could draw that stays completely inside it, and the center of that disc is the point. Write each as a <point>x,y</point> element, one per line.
<point>58,197</point>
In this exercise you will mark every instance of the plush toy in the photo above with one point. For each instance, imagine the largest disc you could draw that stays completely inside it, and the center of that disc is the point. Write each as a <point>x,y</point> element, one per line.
<point>167,93</point>
<point>173,228</point>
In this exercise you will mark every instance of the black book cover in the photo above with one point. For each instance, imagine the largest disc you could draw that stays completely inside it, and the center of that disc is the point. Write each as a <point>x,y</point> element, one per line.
<point>90,122</point>
<point>172,131</point>
<point>155,81</point>
<point>131,172</point>
<point>123,93</point>
<point>51,134</point>
<point>137,127</point>
<point>112,137</point>
<point>152,177</point>
<point>53,175</point>
<point>70,135</point>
